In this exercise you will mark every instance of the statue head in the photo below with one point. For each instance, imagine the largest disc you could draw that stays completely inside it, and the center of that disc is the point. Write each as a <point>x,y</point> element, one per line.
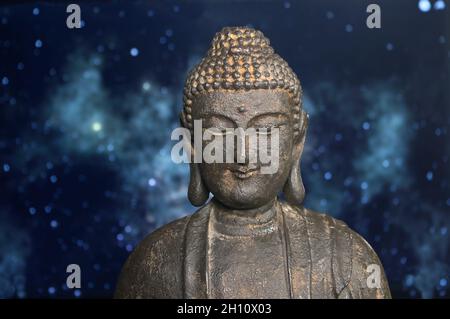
<point>242,83</point>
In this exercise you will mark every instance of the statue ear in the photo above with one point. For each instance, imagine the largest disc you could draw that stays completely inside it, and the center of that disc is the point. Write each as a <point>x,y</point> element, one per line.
<point>198,194</point>
<point>294,190</point>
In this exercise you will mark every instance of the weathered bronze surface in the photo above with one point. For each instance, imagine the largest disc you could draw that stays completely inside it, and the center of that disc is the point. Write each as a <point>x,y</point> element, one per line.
<point>246,242</point>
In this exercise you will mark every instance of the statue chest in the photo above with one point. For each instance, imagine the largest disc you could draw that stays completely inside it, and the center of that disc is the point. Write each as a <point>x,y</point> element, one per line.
<point>247,266</point>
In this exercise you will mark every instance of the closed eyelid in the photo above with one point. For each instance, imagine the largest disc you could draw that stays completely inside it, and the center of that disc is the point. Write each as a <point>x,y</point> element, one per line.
<point>216,131</point>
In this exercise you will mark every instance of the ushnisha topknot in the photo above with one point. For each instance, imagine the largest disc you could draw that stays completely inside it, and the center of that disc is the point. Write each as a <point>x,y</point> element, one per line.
<point>240,58</point>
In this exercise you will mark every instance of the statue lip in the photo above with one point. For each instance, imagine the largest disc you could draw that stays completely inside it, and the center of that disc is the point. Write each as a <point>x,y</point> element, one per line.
<point>244,172</point>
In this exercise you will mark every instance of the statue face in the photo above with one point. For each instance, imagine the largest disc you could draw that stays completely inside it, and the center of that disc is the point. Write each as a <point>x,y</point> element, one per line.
<point>243,185</point>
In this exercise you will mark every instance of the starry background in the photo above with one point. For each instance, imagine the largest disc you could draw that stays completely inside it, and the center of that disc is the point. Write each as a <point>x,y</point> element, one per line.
<point>86,117</point>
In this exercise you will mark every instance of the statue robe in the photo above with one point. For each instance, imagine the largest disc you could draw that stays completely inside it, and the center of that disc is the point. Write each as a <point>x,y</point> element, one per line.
<point>323,258</point>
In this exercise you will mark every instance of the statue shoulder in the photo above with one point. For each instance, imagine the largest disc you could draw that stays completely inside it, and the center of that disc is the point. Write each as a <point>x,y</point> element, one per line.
<point>368,279</point>
<point>352,258</point>
<point>321,224</point>
<point>154,268</point>
<point>329,241</point>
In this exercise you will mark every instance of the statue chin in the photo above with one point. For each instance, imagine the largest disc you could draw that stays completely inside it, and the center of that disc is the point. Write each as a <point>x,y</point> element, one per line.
<point>238,200</point>
<point>243,195</point>
<point>242,192</point>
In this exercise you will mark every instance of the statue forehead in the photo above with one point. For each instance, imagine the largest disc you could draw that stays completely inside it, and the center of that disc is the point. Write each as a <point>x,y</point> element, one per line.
<point>242,103</point>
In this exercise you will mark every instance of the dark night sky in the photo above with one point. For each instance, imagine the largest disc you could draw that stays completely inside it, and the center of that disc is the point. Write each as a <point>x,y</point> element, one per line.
<point>86,117</point>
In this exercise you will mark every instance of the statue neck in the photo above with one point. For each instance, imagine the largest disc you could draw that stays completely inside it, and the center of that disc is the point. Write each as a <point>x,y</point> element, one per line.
<point>229,218</point>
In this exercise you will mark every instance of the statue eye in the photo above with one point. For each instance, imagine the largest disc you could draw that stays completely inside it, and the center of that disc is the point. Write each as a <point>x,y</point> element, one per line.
<point>227,131</point>
<point>266,130</point>
<point>269,129</point>
<point>216,131</point>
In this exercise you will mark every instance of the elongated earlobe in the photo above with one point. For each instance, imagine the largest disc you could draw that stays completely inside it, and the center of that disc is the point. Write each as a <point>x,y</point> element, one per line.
<point>293,190</point>
<point>198,194</point>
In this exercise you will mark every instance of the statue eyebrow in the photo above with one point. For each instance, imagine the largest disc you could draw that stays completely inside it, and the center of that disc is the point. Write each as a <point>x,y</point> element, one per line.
<point>221,117</point>
<point>283,116</point>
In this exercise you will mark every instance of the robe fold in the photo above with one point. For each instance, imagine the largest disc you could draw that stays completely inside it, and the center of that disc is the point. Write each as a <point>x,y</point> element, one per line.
<point>324,259</point>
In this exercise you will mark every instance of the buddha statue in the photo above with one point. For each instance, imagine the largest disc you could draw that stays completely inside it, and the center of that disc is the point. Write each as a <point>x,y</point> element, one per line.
<point>252,238</point>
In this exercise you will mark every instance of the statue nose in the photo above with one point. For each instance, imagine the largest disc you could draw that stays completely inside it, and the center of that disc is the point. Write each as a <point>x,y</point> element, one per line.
<point>240,148</point>
<point>245,148</point>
